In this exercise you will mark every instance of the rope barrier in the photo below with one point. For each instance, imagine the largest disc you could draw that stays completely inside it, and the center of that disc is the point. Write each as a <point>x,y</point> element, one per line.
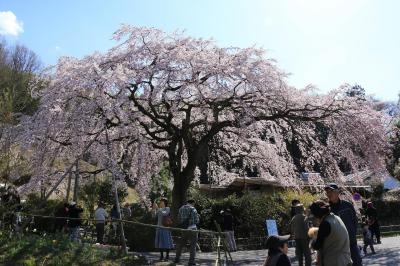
<point>220,236</point>
<point>138,223</point>
<point>203,231</point>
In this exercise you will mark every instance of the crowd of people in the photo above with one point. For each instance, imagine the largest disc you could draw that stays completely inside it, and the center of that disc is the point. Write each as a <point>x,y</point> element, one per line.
<point>327,229</point>
<point>188,219</point>
<point>69,220</point>
<point>334,238</point>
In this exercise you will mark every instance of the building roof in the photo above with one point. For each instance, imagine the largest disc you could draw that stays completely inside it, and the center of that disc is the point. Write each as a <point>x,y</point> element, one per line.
<point>243,181</point>
<point>391,183</point>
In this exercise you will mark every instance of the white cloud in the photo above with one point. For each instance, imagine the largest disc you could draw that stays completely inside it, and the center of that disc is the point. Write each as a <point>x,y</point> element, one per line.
<point>9,25</point>
<point>58,48</point>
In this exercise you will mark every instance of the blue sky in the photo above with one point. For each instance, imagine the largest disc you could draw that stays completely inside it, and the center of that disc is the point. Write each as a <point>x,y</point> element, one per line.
<point>325,43</point>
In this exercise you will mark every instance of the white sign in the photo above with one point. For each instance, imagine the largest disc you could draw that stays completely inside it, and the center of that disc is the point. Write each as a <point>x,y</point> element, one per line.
<point>272,228</point>
<point>357,204</point>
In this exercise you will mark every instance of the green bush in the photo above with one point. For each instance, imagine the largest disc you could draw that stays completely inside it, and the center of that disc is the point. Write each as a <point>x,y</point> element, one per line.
<point>58,250</point>
<point>34,205</point>
<point>388,212</point>
<point>140,238</point>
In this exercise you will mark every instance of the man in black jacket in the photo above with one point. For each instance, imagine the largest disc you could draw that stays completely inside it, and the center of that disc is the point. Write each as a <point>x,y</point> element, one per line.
<point>227,226</point>
<point>61,221</point>
<point>345,210</point>
<point>372,215</point>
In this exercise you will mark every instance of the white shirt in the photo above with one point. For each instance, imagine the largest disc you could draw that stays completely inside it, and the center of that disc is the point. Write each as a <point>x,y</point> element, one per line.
<point>161,213</point>
<point>100,215</point>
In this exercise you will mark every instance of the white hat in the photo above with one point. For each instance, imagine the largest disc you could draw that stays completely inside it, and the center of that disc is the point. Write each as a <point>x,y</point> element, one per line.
<point>72,203</point>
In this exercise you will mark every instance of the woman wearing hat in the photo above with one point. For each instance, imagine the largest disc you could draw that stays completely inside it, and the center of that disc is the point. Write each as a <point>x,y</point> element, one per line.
<point>332,239</point>
<point>277,251</point>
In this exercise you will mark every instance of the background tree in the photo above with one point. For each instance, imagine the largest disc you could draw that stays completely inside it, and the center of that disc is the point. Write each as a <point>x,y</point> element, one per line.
<point>160,184</point>
<point>102,190</point>
<point>393,164</point>
<point>18,68</point>
<point>356,91</point>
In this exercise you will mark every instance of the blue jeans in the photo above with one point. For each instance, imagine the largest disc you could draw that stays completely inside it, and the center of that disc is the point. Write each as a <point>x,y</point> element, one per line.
<point>191,237</point>
<point>74,234</point>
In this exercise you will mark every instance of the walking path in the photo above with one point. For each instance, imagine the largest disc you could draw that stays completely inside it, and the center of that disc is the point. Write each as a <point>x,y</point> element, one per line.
<point>387,253</point>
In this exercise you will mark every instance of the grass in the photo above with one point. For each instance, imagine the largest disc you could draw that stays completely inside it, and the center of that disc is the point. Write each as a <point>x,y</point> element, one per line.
<point>58,250</point>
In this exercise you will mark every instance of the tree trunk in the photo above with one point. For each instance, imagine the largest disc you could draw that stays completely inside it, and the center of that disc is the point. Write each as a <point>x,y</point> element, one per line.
<point>203,165</point>
<point>182,176</point>
<point>179,197</point>
<point>179,192</point>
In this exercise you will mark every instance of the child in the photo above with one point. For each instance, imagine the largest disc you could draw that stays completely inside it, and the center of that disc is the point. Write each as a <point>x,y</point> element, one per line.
<point>312,234</point>
<point>367,237</point>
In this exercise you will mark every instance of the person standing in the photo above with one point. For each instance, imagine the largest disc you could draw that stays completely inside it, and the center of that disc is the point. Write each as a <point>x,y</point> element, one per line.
<point>345,210</point>
<point>277,251</point>
<point>367,238</point>
<point>372,216</point>
<point>17,222</point>
<point>115,216</point>
<point>332,239</point>
<point>295,202</point>
<point>188,218</point>
<point>100,216</point>
<point>61,220</point>
<point>299,228</point>
<point>74,222</point>
<point>228,229</point>
<point>163,240</point>
<point>126,211</point>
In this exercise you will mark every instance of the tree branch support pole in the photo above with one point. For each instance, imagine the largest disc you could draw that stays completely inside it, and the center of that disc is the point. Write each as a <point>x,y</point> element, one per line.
<point>222,244</point>
<point>68,187</point>
<point>73,164</point>
<point>76,184</point>
<point>123,240</point>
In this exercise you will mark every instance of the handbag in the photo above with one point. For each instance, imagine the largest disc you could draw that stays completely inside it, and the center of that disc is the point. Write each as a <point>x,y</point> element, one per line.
<point>167,221</point>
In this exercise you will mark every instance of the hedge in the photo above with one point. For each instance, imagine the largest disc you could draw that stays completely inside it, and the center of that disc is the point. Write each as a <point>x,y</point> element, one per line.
<point>251,210</point>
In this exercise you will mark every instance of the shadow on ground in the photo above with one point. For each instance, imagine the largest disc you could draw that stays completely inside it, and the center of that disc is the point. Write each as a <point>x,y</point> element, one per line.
<point>387,254</point>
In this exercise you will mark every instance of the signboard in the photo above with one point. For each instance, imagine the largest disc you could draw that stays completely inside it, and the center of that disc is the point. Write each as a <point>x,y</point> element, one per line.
<point>272,228</point>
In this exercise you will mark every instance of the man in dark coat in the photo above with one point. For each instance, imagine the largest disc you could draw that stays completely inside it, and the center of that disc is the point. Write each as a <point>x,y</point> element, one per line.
<point>227,226</point>
<point>61,223</point>
<point>345,210</point>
